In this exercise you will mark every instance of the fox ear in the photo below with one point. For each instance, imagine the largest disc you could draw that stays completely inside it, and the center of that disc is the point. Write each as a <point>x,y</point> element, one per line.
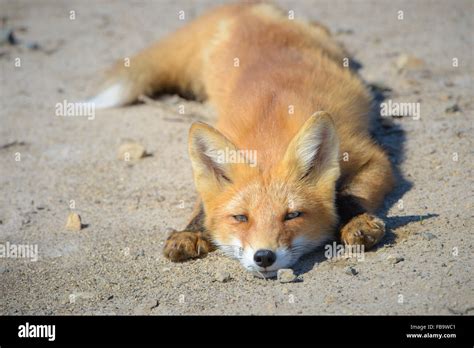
<point>313,153</point>
<point>206,146</point>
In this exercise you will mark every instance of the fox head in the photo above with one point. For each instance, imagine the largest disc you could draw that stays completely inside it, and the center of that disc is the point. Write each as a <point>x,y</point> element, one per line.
<point>268,218</point>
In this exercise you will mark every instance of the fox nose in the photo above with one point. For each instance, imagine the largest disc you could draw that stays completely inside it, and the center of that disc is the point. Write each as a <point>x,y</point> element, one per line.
<point>264,257</point>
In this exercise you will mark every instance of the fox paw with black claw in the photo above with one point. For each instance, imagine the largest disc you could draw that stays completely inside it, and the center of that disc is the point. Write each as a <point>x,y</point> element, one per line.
<point>185,245</point>
<point>364,229</point>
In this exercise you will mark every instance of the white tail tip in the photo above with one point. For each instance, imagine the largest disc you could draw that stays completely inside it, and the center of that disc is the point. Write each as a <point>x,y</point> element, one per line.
<point>113,96</point>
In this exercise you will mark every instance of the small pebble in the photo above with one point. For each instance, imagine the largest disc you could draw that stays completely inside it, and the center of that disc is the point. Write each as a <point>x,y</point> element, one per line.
<point>73,222</point>
<point>131,151</point>
<point>329,299</point>
<point>351,271</point>
<point>428,235</point>
<point>407,61</point>
<point>453,109</point>
<point>152,304</point>
<point>395,259</point>
<point>286,275</point>
<point>8,36</point>
<point>139,253</point>
<point>223,276</point>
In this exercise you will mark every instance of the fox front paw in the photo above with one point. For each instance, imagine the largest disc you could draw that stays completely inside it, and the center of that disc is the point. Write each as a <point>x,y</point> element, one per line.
<point>185,245</point>
<point>364,229</point>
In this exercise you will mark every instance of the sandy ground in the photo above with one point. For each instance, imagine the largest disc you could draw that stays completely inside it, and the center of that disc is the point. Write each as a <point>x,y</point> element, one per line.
<point>115,266</point>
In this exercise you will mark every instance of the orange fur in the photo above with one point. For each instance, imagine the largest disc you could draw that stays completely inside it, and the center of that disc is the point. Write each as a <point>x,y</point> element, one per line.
<point>267,75</point>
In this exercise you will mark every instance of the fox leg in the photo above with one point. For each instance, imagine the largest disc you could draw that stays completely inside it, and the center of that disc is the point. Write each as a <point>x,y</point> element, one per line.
<point>192,242</point>
<point>358,199</point>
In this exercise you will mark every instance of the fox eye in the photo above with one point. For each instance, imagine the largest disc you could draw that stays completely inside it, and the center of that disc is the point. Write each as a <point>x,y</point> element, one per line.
<point>292,215</point>
<point>241,218</point>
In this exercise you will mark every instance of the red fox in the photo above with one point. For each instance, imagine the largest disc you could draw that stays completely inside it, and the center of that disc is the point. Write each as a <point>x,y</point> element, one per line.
<point>282,93</point>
